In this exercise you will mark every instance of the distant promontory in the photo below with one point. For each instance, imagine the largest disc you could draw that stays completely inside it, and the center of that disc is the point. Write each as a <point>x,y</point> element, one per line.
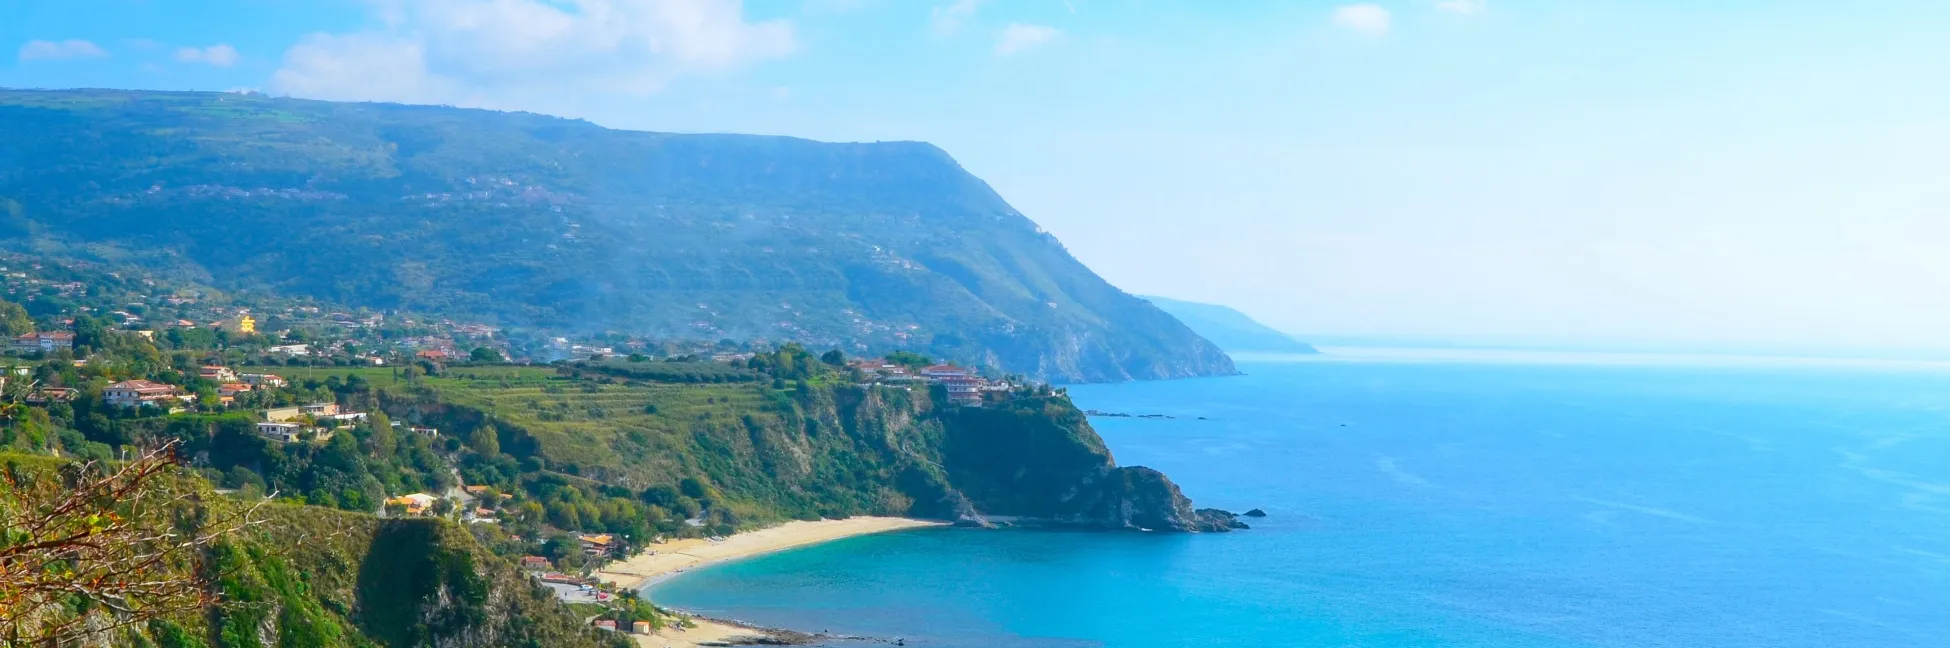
<point>1233,331</point>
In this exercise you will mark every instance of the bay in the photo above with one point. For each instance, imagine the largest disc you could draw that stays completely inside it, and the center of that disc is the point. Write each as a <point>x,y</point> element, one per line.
<point>1450,499</point>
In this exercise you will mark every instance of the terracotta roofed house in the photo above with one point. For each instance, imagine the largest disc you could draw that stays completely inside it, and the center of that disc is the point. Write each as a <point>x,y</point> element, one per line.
<point>597,545</point>
<point>51,395</point>
<point>415,504</point>
<point>132,393</point>
<point>45,342</point>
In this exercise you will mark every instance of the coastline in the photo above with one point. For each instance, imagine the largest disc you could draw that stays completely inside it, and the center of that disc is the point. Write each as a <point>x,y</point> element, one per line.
<point>666,559</point>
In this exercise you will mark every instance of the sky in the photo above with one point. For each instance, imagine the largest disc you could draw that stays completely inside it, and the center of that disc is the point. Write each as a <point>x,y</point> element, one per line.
<point>1613,171</point>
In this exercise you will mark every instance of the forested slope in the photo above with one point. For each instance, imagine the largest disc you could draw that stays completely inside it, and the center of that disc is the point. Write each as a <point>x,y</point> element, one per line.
<point>528,220</point>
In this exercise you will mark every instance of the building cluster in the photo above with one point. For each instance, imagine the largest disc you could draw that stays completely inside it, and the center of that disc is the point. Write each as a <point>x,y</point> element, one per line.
<point>293,424</point>
<point>139,393</point>
<point>420,504</point>
<point>963,385</point>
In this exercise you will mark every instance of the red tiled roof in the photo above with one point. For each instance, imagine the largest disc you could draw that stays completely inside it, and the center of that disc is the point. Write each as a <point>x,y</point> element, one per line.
<point>140,385</point>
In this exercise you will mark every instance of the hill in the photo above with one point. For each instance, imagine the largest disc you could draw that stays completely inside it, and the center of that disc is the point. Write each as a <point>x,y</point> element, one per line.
<point>291,576</point>
<point>1230,329</point>
<point>528,220</point>
<point>820,448</point>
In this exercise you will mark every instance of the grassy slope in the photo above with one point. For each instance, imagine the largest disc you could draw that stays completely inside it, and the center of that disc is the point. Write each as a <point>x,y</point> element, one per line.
<point>776,454</point>
<point>827,450</point>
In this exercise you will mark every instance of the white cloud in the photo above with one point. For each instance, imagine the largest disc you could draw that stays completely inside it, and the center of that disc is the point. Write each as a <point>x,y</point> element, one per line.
<point>1364,19</point>
<point>515,53</point>
<point>41,50</point>
<point>220,55</point>
<point>362,67</point>
<point>948,18</point>
<point>1018,38</point>
<point>1464,7</point>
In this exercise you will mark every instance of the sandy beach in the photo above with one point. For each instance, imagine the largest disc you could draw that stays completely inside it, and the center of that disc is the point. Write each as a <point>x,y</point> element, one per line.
<point>706,633</point>
<point>667,558</point>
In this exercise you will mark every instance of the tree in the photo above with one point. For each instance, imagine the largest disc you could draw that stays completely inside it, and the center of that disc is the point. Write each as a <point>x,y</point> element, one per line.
<point>484,440</point>
<point>88,549</point>
<point>14,320</point>
<point>833,357</point>
<point>484,354</point>
<point>90,333</point>
<point>909,359</point>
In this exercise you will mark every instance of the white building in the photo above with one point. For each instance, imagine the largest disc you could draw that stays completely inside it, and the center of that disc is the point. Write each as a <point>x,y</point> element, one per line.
<point>285,432</point>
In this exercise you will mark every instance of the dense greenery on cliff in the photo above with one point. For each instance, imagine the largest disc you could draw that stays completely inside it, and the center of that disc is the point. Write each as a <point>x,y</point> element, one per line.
<point>284,575</point>
<point>524,219</point>
<point>814,448</point>
<point>313,577</point>
<point>553,451</point>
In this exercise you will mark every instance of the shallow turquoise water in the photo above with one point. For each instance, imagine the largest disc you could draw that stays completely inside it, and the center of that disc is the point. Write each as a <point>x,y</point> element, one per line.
<point>1453,503</point>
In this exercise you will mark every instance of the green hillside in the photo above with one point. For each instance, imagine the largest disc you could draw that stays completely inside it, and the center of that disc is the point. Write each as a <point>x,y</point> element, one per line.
<point>814,449</point>
<point>1232,330</point>
<point>527,220</point>
<point>308,577</point>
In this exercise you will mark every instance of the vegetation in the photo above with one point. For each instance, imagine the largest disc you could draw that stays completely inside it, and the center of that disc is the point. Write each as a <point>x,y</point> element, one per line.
<point>91,548</point>
<point>529,220</point>
<point>675,372</point>
<point>633,447</point>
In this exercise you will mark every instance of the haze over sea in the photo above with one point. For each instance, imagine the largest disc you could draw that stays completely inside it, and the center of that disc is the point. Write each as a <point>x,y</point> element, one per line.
<point>1453,498</point>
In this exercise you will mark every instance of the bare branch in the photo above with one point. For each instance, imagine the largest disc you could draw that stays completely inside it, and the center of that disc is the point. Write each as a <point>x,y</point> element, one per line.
<point>106,538</point>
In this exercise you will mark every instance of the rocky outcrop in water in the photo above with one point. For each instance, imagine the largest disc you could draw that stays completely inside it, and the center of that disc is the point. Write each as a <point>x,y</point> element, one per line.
<point>1040,461</point>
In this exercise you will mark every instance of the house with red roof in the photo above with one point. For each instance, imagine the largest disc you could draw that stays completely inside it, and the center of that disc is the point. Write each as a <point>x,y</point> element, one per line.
<point>136,393</point>
<point>45,342</point>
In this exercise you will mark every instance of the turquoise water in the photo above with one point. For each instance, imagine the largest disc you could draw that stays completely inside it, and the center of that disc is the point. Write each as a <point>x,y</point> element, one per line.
<point>1459,502</point>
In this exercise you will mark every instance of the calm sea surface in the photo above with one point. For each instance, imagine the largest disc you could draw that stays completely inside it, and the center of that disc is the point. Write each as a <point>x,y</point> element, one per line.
<point>1445,499</point>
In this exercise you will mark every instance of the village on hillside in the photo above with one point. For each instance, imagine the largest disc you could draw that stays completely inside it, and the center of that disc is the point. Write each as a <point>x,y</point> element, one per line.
<point>283,401</point>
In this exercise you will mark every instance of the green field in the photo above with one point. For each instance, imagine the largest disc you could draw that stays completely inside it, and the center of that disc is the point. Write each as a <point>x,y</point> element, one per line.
<point>642,430</point>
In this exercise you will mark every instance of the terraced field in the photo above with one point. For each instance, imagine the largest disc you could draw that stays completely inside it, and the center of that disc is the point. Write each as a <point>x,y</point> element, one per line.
<point>638,429</point>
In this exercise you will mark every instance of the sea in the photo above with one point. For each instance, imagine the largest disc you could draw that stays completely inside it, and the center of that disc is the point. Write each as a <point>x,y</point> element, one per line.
<point>1453,498</point>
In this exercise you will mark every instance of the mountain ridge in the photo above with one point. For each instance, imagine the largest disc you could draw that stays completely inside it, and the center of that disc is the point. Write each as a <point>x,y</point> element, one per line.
<point>528,220</point>
<point>1230,329</point>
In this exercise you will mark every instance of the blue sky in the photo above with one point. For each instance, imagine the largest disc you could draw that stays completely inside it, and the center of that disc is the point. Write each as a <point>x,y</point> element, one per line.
<point>1625,170</point>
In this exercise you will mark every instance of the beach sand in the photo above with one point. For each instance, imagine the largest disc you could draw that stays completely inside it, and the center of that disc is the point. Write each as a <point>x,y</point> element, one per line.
<point>667,558</point>
<point>707,633</point>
